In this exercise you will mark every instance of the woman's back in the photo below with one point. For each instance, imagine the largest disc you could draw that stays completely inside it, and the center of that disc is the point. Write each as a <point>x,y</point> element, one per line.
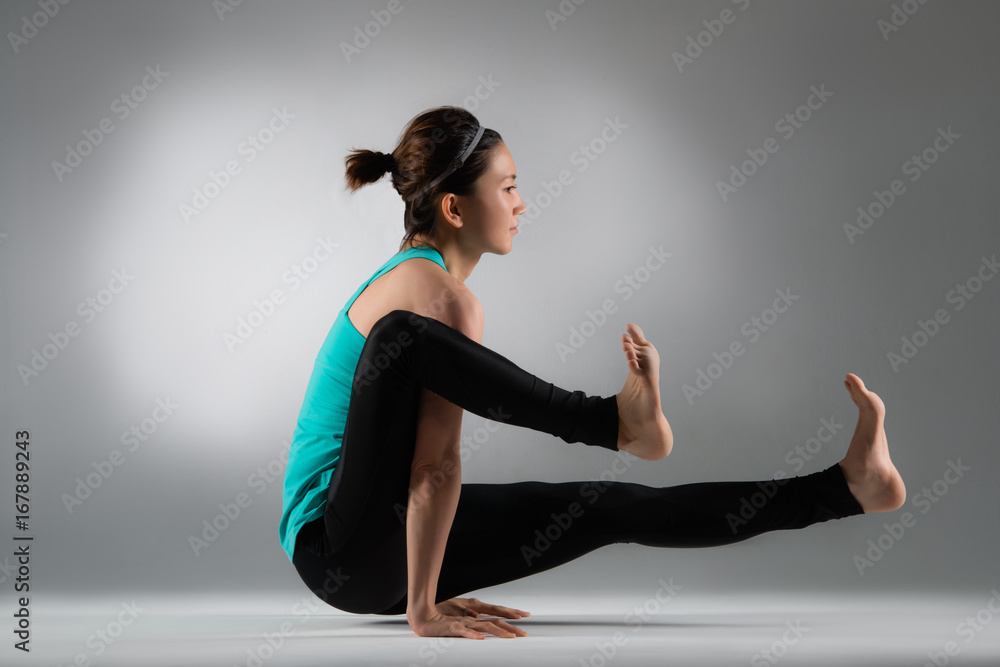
<point>414,279</point>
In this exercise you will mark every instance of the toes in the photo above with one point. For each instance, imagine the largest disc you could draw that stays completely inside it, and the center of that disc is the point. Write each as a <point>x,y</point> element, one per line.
<point>636,332</point>
<point>854,385</point>
<point>857,387</point>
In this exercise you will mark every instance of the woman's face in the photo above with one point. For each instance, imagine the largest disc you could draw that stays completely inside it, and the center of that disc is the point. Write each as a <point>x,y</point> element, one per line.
<point>489,215</point>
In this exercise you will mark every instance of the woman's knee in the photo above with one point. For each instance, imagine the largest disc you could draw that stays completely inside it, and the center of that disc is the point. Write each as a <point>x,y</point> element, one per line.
<point>394,610</point>
<point>364,595</point>
<point>389,338</point>
<point>397,326</point>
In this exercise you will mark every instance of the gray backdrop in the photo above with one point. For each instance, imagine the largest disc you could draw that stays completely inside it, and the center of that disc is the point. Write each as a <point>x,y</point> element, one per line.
<point>157,341</point>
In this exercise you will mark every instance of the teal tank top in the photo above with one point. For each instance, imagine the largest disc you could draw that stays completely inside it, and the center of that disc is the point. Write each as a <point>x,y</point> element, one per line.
<point>315,448</point>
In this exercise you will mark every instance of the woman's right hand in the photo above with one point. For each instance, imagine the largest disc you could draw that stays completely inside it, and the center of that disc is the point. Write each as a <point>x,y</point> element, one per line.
<point>436,624</point>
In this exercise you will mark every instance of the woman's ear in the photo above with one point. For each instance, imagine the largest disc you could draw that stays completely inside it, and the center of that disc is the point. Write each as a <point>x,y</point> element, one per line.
<point>449,210</point>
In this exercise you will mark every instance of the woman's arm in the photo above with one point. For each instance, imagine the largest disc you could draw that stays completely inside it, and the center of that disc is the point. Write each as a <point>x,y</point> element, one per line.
<point>435,485</point>
<point>436,477</point>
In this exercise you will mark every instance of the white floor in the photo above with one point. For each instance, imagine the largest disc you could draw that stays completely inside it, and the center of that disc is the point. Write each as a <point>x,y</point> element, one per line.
<point>576,632</point>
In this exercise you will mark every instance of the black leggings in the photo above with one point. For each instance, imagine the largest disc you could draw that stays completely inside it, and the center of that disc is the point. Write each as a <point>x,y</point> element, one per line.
<point>354,556</point>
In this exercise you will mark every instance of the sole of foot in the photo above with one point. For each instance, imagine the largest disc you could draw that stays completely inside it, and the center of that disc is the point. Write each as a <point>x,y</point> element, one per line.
<point>872,478</point>
<point>643,430</point>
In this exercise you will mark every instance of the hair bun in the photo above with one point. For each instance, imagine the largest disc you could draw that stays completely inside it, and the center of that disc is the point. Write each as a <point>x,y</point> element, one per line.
<point>388,162</point>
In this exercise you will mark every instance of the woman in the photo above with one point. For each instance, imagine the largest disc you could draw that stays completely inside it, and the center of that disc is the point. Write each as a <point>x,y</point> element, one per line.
<point>376,519</point>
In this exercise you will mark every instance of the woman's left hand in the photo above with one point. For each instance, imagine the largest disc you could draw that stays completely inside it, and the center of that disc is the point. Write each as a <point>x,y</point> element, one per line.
<point>474,607</point>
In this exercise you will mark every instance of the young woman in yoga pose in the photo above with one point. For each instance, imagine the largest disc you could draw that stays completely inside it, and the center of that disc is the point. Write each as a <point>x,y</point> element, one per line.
<point>376,519</point>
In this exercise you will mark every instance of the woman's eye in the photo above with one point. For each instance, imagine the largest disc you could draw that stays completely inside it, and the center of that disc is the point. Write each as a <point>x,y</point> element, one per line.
<point>509,188</point>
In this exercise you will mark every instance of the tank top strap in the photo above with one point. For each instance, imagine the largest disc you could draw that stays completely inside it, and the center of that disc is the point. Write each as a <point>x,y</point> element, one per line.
<point>393,262</point>
<point>403,255</point>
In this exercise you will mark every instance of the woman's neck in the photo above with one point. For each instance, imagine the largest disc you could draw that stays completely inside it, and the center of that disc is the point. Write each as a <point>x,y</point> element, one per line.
<point>457,263</point>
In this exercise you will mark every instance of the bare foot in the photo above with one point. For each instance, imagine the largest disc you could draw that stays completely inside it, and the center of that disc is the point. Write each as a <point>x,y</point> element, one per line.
<point>870,474</point>
<point>643,431</point>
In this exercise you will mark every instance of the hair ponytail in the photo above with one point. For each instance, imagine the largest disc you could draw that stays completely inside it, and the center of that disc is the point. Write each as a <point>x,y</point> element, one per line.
<point>365,166</point>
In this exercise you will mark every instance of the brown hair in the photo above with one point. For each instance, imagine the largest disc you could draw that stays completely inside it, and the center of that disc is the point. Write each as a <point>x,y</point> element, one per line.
<point>431,141</point>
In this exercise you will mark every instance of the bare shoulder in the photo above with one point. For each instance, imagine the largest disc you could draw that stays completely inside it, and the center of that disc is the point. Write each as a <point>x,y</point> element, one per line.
<point>419,285</point>
<point>433,292</point>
